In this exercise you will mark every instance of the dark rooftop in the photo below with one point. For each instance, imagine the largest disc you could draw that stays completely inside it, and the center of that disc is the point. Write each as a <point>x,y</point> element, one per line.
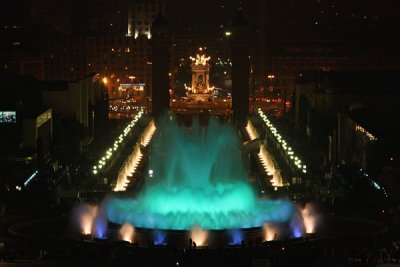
<point>240,20</point>
<point>354,82</point>
<point>160,21</point>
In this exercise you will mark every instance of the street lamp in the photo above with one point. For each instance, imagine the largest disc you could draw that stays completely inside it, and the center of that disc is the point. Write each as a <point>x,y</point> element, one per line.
<point>271,78</point>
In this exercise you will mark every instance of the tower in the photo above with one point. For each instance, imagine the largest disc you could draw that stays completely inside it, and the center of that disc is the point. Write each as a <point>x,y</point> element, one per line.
<point>240,69</point>
<point>160,65</point>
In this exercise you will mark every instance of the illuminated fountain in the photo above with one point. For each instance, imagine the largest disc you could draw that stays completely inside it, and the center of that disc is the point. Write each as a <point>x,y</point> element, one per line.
<point>199,236</point>
<point>310,218</point>
<point>86,215</point>
<point>265,158</point>
<point>198,192</point>
<point>270,232</point>
<point>134,159</point>
<point>199,179</point>
<point>127,232</point>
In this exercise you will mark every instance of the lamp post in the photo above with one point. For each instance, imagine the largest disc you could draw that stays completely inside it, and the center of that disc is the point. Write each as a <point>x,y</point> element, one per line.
<point>271,78</point>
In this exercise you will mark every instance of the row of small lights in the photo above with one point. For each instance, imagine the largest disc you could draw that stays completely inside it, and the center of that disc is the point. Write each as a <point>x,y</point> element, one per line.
<point>103,161</point>
<point>378,187</point>
<point>282,141</point>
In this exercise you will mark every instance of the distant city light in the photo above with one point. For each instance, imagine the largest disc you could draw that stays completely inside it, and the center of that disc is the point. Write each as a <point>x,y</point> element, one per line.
<point>109,153</point>
<point>30,178</point>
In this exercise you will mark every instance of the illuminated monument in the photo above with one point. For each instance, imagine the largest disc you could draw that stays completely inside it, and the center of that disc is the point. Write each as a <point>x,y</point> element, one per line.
<point>201,90</point>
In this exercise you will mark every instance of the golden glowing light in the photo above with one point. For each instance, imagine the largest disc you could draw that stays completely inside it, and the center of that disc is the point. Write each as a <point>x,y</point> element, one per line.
<point>199,236</point>
<point>270,232</point>
<point>309,218</point>
<point>86,220</point>
<point>200,59</point>
<point>359,128</point>
<point>105,80</point>
<point>127,232</point>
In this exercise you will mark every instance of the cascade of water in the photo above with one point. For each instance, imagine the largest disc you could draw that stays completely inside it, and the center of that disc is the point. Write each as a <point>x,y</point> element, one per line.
<point>134,159</point>
<point>265,157</point>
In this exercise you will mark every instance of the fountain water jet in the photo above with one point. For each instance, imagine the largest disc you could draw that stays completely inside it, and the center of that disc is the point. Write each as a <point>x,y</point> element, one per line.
<point>127,232</point>
<point>237,236</point>
<point>100,226</point>
<point>199,236</point>
<point>134,159</point>
<point>199,179</point>
<point>270,232</point>
<point>310,218</point>
<point>86,215</point>
<point>265,157</point>
<point>159,237</point>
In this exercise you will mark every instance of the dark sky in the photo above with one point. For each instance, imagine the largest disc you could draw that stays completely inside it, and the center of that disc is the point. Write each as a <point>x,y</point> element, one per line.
<point>204,16</point>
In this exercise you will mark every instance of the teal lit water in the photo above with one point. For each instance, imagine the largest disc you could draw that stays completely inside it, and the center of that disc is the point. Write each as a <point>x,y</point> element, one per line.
<point>199,180</point>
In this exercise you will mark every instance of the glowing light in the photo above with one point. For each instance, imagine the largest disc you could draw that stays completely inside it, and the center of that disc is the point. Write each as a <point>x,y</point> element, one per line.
<point>159,237</point>
<point>297,225</point>
<point>119,140</point>
<point>237,236</point>
<point>252,132</point>
<point>228,33</point>
<point>309,218</point>
<point>86,214</point>
<point>105,80</point>
<point>126,232</point>
<point>270,232</point>
<point>359,128</point>
<point>86,223</point>
<point>199,236</point>
<point>100,226</point>
<point>200,59</point>
<point>30,178</point>
<point>296,160</point>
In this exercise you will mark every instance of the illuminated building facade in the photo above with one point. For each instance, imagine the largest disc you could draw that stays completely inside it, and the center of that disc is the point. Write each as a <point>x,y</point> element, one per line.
<point>141,15</point>
<point>117,59</point>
